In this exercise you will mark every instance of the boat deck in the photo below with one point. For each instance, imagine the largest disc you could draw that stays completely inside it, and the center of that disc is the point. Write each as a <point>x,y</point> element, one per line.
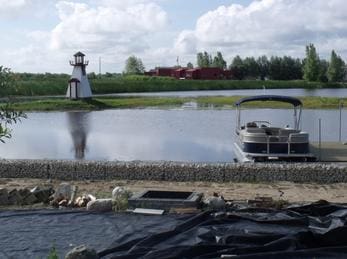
<point>330,151</point>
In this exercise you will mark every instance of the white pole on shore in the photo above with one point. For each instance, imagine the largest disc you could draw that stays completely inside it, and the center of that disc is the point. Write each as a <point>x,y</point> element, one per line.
<point>340,120</point>
<point>320,139</point>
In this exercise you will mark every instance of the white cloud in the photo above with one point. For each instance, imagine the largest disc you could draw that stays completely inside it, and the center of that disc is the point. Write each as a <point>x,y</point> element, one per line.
<point>121,28</point>
<point>13,4</point>
<point>108,31</point>
<point>186,42</point>
<point>269,27</point>
<point>115,29</point>
<point>10,9</point>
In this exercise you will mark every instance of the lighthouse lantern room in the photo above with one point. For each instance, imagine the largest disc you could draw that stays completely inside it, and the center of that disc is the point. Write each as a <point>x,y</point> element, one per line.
<point>78,86</point>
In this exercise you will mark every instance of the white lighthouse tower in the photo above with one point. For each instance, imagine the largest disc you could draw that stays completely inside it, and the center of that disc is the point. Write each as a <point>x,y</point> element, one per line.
<point>79,86</point>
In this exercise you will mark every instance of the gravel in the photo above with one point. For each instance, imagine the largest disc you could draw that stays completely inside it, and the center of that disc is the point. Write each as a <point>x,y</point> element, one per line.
<point>174,171</point>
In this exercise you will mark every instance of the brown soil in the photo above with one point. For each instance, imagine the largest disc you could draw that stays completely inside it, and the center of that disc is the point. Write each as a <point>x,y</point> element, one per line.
<point>289,191</point>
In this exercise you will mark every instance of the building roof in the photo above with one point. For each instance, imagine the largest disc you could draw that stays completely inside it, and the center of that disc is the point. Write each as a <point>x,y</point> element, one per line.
<point>79,54</point>
<point>278,98</point>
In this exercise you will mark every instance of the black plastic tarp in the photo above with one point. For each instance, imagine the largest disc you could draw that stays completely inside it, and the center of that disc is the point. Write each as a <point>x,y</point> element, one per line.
<point>32,234</point>
<point>313,231</point>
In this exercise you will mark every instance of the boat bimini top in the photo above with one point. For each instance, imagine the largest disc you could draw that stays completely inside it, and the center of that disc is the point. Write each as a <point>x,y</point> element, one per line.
<point>297,105</point>
<point>278,98</point>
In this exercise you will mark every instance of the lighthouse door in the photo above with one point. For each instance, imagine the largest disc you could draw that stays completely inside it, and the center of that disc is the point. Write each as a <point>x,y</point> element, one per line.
<point>74,89</point>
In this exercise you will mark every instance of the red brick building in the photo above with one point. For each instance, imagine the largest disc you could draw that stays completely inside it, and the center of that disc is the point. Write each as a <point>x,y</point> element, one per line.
<point>179,73</point>
<point>208,73</point>
<point>160,71</point>
<point>200,73</point>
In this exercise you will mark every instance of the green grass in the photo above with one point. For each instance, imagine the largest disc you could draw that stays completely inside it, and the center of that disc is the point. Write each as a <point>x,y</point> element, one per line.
<point>57,85</point>
<point>308,102</point>
<point>163,102</point>
<point>95,104</point>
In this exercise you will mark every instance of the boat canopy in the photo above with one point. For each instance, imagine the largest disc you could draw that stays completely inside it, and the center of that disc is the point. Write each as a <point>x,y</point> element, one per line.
<point>278,98</point>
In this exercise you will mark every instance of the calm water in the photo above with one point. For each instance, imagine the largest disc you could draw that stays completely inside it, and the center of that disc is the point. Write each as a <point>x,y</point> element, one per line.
<point>148,134</point>
<point>333,92</point>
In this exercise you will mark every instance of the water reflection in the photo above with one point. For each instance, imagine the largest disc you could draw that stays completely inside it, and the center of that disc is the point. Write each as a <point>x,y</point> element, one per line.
<point>149,134</point>
<point>78,124</point>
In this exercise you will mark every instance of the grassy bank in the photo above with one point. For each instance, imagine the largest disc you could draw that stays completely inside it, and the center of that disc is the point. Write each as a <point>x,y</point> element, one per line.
<point>163,102</point>
<point>125,84</point>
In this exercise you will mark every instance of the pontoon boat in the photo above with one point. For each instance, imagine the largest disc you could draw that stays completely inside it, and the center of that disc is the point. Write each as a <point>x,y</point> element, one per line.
<point>259,141</point>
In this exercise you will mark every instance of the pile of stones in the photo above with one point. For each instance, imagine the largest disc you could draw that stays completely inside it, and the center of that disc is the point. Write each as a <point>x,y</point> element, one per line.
<point>25,196</point>
<point>65,196</point>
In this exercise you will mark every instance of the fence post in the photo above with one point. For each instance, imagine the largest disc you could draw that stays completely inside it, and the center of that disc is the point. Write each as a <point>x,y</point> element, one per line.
<point>340,120</point>
<point>320,139</point>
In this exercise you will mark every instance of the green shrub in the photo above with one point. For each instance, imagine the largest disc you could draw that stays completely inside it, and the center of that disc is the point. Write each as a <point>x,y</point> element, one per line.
<point>56,84</point>
<point>53,254</point>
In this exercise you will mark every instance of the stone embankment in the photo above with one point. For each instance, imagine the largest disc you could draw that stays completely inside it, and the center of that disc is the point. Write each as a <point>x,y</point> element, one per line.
<point>174,171</point>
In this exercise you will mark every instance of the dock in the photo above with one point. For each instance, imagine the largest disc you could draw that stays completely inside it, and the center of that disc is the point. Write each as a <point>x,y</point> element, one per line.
<point>330,151</point>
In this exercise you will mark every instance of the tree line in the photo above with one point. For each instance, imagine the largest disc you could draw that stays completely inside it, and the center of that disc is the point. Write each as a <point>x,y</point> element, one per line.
<point>311,68</point>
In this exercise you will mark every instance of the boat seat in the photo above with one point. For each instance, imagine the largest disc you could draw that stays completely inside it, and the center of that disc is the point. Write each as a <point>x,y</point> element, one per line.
<point>271,131</point>
<point>251,125</point>
<point>255,130</point>
<point>287,132</point>
<point>299,137</point>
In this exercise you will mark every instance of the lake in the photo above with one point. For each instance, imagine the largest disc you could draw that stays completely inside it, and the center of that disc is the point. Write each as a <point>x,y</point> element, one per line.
<point>326,92</point>
<point>184,134</point>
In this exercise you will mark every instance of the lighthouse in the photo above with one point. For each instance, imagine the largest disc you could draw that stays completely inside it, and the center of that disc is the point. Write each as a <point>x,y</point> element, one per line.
<point>78,86</point>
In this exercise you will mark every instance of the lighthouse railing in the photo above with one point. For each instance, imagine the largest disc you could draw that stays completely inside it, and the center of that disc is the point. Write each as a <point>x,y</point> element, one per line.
<point>73,63</point>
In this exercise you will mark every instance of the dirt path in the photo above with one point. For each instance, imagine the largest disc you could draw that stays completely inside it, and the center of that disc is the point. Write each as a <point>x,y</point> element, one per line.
<point>291,192</point>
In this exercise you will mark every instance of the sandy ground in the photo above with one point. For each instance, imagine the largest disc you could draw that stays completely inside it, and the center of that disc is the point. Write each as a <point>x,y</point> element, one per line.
<point>291,192</point>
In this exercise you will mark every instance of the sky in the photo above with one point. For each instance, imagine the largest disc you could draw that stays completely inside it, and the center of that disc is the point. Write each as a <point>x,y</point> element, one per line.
<point>42,35</point>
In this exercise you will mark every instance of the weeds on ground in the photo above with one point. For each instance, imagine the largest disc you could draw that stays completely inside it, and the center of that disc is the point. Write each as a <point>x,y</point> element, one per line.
<point>53,254</point>
<point>121,202</point>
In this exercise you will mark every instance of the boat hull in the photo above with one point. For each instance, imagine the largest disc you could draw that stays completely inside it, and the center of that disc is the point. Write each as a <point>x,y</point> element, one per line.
<point>276,148</point>
<point>242,156</point>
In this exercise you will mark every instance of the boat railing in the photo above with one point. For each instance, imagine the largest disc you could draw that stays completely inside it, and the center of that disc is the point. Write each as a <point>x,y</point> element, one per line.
<point>293,138</point>
<point>269,140</point>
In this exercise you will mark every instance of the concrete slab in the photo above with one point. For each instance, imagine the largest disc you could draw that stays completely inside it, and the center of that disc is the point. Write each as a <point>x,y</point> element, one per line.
<point>164,200</point>
<point>330,151</point>
<point>148,211</point>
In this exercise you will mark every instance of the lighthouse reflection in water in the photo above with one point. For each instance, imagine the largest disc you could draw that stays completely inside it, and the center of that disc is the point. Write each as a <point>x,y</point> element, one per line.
<point>78,123</point>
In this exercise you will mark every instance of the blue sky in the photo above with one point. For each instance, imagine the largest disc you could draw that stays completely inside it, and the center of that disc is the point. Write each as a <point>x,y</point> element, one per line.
<point>41,35</point>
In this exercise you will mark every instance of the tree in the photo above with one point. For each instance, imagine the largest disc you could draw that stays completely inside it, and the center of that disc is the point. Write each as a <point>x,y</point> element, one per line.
<point>336,70</point>
<point>285,68</point>
<point>275,68</point>
<point>312,64</point>
<point>204,59</point>
<point>251,67</point>
<point>6,78</point>
<point>323,71</point>
<point>134,66</point>
<point>8,115</point>
<point>190,65</point>
<point>263,65</point>
<point>200,59</point>
<point>207,59</point>
<point>218,61</point>
<point>238,68</point>
<point>92,75</point>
